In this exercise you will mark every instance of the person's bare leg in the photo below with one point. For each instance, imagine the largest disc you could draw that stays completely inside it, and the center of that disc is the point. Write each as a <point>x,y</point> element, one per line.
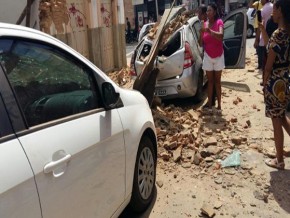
<point>278,138</point>
<point>210,77</point>
<point>286,124</point>
<point>218,87</point>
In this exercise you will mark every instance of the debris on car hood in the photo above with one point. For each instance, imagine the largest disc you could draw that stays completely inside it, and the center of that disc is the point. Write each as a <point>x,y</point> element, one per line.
<point>173,26</point>
<point>122,78</point>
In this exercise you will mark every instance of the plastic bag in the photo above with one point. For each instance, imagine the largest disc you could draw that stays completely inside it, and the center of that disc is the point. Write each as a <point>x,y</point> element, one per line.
<point>232,160</point>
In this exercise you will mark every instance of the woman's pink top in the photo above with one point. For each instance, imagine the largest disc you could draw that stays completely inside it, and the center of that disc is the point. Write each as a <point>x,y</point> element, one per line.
<point>212,46</point>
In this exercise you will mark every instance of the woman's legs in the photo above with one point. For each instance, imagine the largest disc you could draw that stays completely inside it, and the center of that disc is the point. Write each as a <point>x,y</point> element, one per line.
<point>218,87</point>
<point>278,138</point>
<point>286,124</point>
<point>210,77</point>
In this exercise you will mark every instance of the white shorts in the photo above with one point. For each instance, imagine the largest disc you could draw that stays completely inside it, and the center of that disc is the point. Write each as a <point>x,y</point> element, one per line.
<point>213,64</point>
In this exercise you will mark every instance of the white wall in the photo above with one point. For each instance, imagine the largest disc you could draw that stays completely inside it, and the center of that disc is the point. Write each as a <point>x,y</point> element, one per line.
<point>121,13</point>
<point>10,10</point>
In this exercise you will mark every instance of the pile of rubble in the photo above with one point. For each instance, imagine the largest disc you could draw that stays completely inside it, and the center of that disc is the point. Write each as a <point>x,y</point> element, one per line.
<point>174,25</point>
<point>188,136</point>
<point>123,78</point>
<point>194,137</point>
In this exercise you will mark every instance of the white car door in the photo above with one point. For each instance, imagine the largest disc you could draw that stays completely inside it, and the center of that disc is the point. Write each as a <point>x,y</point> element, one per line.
<point>18,193</point>
<point>235,35</point>
<point>75,147</point>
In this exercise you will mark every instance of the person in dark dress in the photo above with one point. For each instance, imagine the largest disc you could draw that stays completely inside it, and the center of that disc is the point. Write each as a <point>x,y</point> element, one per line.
<point>276,79</point>
<point>128,29</point>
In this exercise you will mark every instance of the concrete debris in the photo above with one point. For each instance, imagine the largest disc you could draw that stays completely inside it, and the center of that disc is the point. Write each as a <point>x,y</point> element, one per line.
<point>122,78</point>
<point>210,141</point>
<point>237,140</point>
<point>207,210</point>
<point>159,183</point>
<point>177,154</point>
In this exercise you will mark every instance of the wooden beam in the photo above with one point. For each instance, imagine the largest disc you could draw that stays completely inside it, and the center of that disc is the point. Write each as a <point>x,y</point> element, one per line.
<point>28,12</point>
<point>24,13</point>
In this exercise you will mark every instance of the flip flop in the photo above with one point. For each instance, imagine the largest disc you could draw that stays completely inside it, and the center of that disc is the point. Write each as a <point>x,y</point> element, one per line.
<point>219,112</point>
<point>274,163</point>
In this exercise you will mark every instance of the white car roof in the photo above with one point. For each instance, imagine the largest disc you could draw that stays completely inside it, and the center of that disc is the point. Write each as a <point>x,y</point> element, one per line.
<point>29,33</point>
<point>26,32</point>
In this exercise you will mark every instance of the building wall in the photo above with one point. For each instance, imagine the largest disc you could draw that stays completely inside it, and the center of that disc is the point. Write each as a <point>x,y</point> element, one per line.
<point>92,28</point>
<point>129,12</point>
<point>81,24</point>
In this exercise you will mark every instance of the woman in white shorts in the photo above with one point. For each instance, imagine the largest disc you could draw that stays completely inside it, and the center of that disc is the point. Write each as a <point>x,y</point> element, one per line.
<point>211,39</point>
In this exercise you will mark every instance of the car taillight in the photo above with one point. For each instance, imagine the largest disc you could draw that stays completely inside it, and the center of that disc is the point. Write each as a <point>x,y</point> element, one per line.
<point>132,67</point>
<point>188,57</point>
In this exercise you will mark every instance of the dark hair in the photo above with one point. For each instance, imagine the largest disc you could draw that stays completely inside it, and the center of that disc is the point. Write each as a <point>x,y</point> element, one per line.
<point>215,8</point>
<point>284,5</point>
<point>202,8</point>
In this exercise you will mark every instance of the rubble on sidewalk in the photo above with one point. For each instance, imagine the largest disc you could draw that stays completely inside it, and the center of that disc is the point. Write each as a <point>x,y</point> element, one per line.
<point>187,136</point>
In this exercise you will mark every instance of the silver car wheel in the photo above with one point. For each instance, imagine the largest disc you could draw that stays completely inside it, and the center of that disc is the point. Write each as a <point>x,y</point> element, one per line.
<point>146,173</point>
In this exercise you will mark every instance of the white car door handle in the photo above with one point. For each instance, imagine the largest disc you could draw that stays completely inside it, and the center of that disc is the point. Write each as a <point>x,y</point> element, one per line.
<point>51,166</point>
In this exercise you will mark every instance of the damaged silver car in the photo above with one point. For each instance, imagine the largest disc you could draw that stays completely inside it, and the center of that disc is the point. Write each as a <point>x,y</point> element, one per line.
<point>180,59</point>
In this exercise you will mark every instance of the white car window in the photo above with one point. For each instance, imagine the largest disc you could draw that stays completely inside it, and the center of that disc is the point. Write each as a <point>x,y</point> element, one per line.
<point>48,84</point>
<point>234,26</point>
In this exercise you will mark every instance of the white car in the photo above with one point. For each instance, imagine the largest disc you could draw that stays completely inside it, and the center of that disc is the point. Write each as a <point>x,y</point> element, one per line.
<point>72,143</point>
<point>251,18</point>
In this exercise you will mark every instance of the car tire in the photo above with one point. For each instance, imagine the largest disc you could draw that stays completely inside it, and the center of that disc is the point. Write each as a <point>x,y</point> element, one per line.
<point>199,91</point>
<point>250,31</point>
<point>143,188</point>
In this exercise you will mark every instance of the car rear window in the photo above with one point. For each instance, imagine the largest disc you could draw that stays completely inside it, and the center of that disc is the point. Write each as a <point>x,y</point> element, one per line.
<point>171,46</point>
<point>145,51</point>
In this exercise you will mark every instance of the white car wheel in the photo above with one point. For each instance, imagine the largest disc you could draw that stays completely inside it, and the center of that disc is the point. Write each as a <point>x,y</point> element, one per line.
<point>146,173</point>
<point>144,176</point>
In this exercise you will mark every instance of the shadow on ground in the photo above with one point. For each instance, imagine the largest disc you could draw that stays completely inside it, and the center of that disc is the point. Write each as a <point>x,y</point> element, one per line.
<point>280,187</point>
<point>129,213</point>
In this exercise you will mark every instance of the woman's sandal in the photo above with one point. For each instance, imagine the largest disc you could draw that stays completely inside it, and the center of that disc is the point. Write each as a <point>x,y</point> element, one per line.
<point>210,111</point>
<point>205,107</point>
<point>274,163</point>
<point>219,112</point>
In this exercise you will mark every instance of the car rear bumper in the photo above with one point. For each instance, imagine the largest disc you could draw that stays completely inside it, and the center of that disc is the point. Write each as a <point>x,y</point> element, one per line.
<point>177,88</point>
